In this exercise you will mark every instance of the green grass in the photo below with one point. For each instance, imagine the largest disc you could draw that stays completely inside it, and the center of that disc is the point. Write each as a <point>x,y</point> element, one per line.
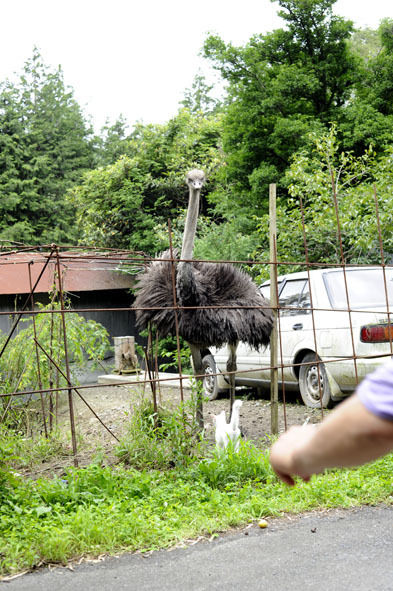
<point>98,509</point>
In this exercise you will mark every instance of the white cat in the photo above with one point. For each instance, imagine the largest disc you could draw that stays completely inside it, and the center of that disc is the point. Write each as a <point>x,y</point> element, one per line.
<point>226,432</point>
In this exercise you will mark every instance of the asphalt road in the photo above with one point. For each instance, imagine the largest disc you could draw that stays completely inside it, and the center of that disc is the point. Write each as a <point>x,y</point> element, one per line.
<point>337,550</point>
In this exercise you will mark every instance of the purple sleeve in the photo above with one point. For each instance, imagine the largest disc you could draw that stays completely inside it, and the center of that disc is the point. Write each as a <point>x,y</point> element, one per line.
<point>376,391</point>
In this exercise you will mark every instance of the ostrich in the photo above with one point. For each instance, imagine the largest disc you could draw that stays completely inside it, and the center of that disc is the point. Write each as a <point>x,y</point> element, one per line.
<point>219,303</point>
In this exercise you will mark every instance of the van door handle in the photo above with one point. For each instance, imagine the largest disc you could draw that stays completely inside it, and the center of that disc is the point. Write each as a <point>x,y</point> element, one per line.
<point>298,326</point>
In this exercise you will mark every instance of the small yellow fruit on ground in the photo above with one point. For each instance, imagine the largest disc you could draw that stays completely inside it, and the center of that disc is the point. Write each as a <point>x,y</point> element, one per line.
<point>263,523</point>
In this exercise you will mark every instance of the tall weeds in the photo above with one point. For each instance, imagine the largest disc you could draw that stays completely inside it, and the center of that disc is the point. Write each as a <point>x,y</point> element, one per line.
<point>161,439</point>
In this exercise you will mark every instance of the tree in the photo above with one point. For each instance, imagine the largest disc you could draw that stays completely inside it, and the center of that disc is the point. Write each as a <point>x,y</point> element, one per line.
<point>112,143</point>
<point>365,43</point>
<point>128,204</point>
<point>282,86</point>
<point>14,170</point>
<point>198,99</point>
<point>379,90</point>
<point>318,180</point>
<point>46,144</point>
<point>368,117</point>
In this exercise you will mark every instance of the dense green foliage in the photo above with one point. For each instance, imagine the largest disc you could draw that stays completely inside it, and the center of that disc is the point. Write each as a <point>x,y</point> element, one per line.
<point>361,188</point>
<point>285,89</point>
<point>45,144</point>
<point>293,81</point>
<point>23,366</point>
<point>367,118</point>
<point>282,85</point>
<point>128,203</point>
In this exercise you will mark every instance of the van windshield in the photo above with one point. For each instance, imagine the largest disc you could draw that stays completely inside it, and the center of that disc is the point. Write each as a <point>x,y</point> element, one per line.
<point>366,288</point>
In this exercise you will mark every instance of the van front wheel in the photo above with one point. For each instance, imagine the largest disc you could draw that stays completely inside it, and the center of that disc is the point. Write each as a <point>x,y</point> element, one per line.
<point>313,382</point>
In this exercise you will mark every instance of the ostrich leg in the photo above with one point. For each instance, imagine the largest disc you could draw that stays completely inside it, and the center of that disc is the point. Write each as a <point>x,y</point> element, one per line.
<point>232,367</point>
<point>198,371</point>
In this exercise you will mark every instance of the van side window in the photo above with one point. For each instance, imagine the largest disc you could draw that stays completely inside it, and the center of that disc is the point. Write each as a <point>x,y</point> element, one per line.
<point>295,298</point>
<point>265,289</point>
<point>304,300</point>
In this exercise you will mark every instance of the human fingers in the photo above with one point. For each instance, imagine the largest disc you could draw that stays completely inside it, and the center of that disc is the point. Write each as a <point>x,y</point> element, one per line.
<point>286,478</point>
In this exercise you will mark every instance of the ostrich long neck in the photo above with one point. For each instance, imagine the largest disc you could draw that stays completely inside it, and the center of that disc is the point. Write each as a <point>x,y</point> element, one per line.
<point>185,281</point>
<point>191,225</point>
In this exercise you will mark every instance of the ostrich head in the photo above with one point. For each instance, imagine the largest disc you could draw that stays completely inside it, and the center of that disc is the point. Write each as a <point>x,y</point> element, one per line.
<point>195,179</point>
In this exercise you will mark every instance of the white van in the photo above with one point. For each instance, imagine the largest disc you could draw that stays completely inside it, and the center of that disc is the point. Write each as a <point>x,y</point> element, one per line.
<point>334,327</point>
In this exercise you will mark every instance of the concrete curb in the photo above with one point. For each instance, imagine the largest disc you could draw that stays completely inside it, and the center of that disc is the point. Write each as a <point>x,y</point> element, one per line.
<point>167,380</point>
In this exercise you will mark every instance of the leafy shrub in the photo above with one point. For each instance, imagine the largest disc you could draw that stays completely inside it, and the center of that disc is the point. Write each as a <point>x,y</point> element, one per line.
<point>167,349</point>
<point>160,439</point>
<point>24,367</point>
<point>8,456</point>
<point>166,352</point>
<point>312,178</point>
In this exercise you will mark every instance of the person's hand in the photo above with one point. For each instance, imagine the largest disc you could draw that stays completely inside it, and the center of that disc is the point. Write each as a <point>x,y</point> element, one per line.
<point>286,455</point>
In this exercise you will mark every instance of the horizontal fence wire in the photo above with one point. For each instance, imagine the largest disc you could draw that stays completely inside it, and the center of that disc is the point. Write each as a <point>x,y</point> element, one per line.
<point>58,262</point>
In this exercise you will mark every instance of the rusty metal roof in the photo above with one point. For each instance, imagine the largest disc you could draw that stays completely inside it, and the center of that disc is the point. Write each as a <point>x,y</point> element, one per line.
<point>78,273</point>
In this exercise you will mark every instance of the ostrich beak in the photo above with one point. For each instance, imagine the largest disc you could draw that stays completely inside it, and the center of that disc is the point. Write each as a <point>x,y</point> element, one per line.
<point>197,184</point>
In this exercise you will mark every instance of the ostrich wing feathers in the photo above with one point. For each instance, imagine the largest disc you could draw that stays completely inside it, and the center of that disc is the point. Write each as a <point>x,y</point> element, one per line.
<point>236,309</point>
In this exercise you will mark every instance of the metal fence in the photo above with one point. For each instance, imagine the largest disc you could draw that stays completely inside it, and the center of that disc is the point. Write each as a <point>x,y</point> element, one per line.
<point>55,260</point>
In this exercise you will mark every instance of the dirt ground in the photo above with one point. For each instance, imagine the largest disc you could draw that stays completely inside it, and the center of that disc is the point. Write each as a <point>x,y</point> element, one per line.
<point>114,404</point>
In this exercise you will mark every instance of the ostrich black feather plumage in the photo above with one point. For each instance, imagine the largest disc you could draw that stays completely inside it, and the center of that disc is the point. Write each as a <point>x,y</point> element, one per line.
<point>236,309</point>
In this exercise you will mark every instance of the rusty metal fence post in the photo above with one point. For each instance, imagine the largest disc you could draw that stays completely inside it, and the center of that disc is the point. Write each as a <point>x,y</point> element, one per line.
<point>274,303</point>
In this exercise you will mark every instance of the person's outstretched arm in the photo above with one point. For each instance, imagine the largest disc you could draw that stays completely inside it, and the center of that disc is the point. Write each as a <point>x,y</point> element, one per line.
<point>349,436</point>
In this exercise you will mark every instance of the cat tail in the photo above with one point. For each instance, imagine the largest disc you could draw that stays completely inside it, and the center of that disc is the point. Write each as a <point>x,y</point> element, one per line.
<point>234,424</point>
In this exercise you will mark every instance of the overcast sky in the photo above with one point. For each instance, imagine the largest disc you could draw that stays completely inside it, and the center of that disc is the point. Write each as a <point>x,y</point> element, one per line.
<point>137,57</point>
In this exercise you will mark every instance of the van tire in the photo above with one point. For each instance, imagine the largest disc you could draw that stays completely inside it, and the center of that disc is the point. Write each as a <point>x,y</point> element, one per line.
<point>210,383</point>
<point>314,384</point>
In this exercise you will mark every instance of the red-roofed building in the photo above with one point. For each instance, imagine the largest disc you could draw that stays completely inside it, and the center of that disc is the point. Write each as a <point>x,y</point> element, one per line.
<point>91,282</point>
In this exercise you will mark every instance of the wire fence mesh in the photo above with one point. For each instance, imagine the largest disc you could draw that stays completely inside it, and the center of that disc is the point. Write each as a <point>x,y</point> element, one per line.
<point>332,320</point>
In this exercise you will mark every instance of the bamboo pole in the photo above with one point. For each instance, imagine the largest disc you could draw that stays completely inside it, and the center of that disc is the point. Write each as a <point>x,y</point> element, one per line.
<point>274,303</point>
